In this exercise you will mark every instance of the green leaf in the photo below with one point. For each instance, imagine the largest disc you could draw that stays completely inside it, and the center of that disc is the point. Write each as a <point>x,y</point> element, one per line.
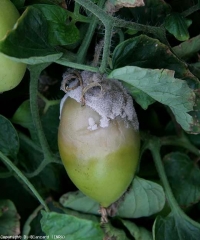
<point>22,116</point>
<point>59,31</point>
<point>143,198</point>
<point>56,207</point>
<point>79,202</point>
<point>183,176</point>
<point>153,13</point>
<point>37,32</point>
<point>71,227</point>
<point>49,178</point>
<point>9,219</point>
<point>141,51</point>
<point>29,39</point>
<point>50,122</point>
<point>140,97</point>
<point>9,140</point>
<point>33,226</point>
<point>175,227</point>
<point>164,88</point>
<point>187,48</point>
<point>177,25</point>
<point>139,233</point>
<point>114,233</point>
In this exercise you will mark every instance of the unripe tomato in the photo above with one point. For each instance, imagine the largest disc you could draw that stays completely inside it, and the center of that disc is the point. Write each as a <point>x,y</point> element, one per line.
<point>11,72</point>
<point>101,161</point>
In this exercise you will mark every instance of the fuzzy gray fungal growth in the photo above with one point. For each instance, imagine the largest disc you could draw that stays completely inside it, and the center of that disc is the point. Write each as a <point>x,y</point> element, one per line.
<point>105,96</point>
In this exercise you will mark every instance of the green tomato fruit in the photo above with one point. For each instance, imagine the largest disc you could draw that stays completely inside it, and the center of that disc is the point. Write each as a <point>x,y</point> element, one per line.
<point>11,72</point>
<point>101,161</point>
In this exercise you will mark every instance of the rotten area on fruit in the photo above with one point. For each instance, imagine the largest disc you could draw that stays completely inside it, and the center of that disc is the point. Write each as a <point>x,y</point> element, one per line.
<point>76,76</point>
<point>108,106</point>
<point>107,97</point>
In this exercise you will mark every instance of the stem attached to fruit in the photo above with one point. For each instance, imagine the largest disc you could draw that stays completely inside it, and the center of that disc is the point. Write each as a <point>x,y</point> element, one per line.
<point>104,215</point>
<point>109,22</point>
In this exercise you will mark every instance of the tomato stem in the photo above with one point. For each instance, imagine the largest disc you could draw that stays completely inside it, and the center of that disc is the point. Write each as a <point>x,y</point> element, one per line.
<point>34,76</point>
<point>76,65</point>
<point>109,22</point>
<point>81,54</point>
<point>48,155</point>
<point>8,163</point>
<point>181,141</point>
<point>154,146</point>
<point>191,10</point>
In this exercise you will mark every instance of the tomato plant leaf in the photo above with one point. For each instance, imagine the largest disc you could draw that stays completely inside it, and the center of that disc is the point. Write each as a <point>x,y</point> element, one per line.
<point>60,32</point>
<point>187,48</point>
<point>9,140</point>
<point>29,39</point>
<point>141,51</point>
<point>115,233</point>
<point>22,116</point>
<point>9,219</point>
<point>49,119</point>
<point>183,176</point>
<point>164,88</point>
<point>33,226</point>
<point>71,227</point>
<point>177,24</point>
<point>76,201</point>
<point>140,97</point>
<point>144,198</point>
<point>175,227</point>
<point>139,233</point>
<point>30,158</point>
<point>152,13</point>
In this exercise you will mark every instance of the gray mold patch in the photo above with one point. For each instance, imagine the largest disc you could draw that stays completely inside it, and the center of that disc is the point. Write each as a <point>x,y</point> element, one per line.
<point>108,98</point>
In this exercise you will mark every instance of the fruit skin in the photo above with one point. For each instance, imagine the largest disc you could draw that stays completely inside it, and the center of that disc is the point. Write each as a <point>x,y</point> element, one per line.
<point>101,163</point>
<point>11,72</point>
